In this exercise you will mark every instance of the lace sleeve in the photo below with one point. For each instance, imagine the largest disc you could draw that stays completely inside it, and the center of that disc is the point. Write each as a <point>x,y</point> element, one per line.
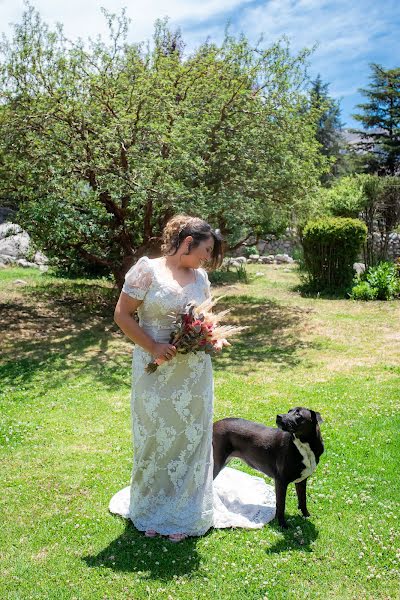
<point>207,285</point>
<point>138,279</point>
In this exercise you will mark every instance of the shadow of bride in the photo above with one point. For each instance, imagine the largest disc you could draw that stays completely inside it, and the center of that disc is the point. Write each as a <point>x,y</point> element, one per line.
<point>151,558</point>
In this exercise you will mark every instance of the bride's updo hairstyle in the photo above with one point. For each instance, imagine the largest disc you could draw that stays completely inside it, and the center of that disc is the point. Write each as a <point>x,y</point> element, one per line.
<point>180,226</point>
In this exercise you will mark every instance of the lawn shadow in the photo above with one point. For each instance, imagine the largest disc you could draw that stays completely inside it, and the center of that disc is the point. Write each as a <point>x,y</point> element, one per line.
<point>273,333</point>
<point>65,329</point>
<point>133,552</point>
<point>299,535</point>
<point>307,290</point>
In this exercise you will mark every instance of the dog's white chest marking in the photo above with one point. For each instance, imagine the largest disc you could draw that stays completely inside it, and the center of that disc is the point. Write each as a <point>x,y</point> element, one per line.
<point>308,456</point>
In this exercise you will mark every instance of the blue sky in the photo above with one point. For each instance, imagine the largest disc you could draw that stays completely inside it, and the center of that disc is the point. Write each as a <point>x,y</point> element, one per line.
<point>349,34</point>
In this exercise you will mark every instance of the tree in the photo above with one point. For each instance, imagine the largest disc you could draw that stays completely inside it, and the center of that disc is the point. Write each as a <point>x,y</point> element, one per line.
<point>375,200</point>
<point>380,117</point>
<point>105,141</point>
<point>329,126</point>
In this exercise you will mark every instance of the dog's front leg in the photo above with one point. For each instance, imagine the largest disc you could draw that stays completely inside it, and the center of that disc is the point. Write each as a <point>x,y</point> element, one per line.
<point>280,493</point>
<point>301,490</point>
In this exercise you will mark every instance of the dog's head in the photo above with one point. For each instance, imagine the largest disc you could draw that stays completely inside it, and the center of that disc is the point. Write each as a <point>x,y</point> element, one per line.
<point>301,421</point>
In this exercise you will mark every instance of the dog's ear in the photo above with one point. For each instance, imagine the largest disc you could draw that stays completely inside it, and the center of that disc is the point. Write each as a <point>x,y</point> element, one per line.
<point>318,417</point>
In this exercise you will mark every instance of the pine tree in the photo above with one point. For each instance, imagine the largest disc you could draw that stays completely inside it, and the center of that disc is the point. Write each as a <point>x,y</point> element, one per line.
<point>328,132</point>
<point>380,117</point>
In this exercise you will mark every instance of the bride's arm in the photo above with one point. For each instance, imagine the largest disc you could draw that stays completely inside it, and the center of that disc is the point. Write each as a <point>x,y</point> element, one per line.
<point>123,318</point>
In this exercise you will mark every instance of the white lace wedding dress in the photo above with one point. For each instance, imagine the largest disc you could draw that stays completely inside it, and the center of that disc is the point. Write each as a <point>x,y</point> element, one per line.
<point>172,488</point>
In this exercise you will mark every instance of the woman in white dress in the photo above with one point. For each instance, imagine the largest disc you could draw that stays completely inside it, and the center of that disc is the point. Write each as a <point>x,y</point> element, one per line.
<point>171,490</point>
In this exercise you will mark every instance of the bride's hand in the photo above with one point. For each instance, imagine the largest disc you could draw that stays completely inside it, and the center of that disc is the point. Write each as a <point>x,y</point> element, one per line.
<point>163,352</point>
<point>220,344</point>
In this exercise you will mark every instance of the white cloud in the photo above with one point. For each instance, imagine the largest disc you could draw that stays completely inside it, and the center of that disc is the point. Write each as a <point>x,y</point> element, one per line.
<point>83,18</point>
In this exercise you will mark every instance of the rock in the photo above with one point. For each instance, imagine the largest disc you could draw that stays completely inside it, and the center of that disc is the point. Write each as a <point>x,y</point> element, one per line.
<point>20,282</point>
<point>241,259</point>
<point>7,259</point>
<point>267,260</point>
<point>236,264</point>
<point>2,265</point>
<point>259,274</point>
<point>254,256</point>
<point>22,262</point>
<point>283,258</point>
<point>43,268</point>
<point>13,240</point>
<point>7,229</point>
<point>359,268</point>
<point>40,259</point>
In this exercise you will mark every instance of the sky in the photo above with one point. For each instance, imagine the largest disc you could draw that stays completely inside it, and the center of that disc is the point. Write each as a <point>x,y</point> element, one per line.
<point>348,35</point>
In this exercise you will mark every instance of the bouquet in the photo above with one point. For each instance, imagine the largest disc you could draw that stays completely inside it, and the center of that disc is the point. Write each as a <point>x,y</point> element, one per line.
<point>197,329</point>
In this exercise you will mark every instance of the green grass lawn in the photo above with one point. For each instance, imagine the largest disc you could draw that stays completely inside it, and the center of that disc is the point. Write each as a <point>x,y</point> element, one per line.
<point>65,447</point>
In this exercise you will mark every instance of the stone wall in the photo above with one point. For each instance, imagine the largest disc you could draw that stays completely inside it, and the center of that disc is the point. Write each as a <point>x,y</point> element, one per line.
<point>272,245</point>
<point>393,247</point>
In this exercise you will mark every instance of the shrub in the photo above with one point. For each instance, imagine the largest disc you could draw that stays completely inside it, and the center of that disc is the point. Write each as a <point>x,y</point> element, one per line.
<point>249,250</point>
<point>331,246</point>
<point>384,279</point>
<point>377,283</point>
<point>363,291</point>
<point>225,275</point>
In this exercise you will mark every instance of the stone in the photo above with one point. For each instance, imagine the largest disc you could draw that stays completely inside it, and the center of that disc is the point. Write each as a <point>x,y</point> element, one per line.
<point>22,262</point>
<point>267,260</point>
<point>20,282</point>
<point>283,258</point>
<point>359,268</point>
<point>13,241</point>
<point>241,259</point>
<point>40,259</point>
<point>254,256</point>
<point>7,259</point>
<point>7,229</point>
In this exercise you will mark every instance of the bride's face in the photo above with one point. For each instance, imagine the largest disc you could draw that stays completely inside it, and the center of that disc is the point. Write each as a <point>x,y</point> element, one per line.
<point>199,255</point>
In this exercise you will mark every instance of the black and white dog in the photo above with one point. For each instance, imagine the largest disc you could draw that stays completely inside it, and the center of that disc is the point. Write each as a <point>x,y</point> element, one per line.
<point>287,454</point>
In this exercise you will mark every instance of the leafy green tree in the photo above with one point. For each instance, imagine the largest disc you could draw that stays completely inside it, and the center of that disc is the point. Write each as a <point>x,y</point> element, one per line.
<point>380,118</point>
<point>328,132</point>
<point>375,200</point>
<point>104,141</point>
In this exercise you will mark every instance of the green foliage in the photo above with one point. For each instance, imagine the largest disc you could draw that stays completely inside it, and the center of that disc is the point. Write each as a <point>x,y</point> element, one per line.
<point>101,143</point>
<point>346,197</point>
<point>363,291</point>
<point>384,280</point>
<point>328,132</point>
<point>249,250</point>
<point>381,282</point>
<point>380,118</point>
<point>376,200</point>
<point>331,246</point>
<point>225,275</point>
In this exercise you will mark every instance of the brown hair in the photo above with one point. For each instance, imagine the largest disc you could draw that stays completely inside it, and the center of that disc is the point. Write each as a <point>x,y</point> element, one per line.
<point>180,226</point>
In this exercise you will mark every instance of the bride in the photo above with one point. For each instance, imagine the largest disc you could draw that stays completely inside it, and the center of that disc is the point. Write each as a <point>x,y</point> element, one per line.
<point>171,491</point>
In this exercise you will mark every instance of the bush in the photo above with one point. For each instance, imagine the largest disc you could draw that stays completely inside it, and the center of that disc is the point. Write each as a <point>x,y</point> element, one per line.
<point>249,250</point>
<point>363,291</point>
<point>225,276</point>
<point>384,279</point>
<point>331,246</point>
<point>378,283</point>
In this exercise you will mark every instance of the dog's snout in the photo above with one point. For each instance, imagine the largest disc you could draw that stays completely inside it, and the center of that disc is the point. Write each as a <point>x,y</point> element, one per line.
<point>279,418</point>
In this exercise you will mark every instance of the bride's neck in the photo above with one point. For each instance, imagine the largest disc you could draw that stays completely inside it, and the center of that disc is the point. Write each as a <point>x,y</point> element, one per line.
<point>174,263</point>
